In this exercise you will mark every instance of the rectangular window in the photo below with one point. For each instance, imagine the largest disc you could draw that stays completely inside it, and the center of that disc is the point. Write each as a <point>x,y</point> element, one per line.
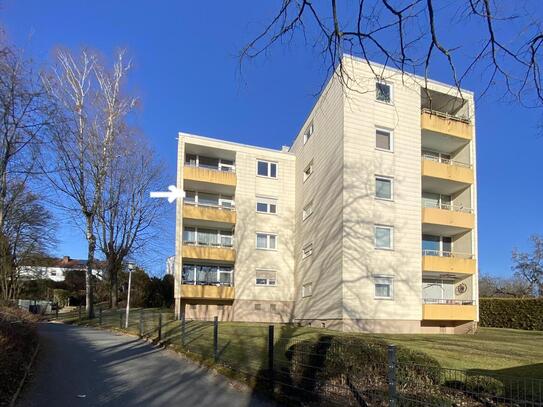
<point>258,307</point>
<point>383,237</point>
<point>307,250</point>
<point>383,92</point>
<point>266,277</point>
<point>266,169</point>
<point>308,170</point>
<point>266,205</point>
<point>383,188</point>
<point>273,307</point>
<point>307,211</point>
<point>383,139</point>
<point>383,287</point>
<point>266,241</point>
<point>307,290</point>
<point>308,132</point>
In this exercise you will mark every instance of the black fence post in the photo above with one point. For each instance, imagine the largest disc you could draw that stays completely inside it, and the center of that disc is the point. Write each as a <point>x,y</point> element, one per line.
<point>100,316</point>
<point>183,329</point>
<point>270,353</point>
<point>216,339</point>
<point>391,375</point>
<point>120,319</point>
<point>159,326</point>
<point>56,313</point>
<point>141,323</point>
<point>79,312</point>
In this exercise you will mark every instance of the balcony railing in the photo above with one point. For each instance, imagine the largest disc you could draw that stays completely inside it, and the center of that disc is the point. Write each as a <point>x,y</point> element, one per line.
<point>206,282</point>
<point>444,160</point>
<point>220,167</point>
<point>227,243</point>
<point>442,253</point>
<point>446,207</point>
<point>447,301</point>
<point>446,116</point>
<point>227,207</point>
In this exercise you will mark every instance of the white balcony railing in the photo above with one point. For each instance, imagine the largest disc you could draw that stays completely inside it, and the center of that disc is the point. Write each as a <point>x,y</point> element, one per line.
<point>447,301</point>
<point>444,160</point>
<point>446,207</point>
<point>220,167</point>
<point>443,253</point>
<point>226,207</point>
<point>446,116</point>
<point>225,242</point>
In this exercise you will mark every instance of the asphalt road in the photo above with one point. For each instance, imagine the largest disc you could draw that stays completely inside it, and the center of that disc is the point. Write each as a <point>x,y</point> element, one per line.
<point>80,366</point>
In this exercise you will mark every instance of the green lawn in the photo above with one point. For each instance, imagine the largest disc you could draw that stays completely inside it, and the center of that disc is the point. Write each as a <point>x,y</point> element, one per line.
<point>243,345</point>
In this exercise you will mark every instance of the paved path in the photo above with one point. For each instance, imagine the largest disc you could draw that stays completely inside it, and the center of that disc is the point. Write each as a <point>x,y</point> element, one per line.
<point>80,366</point>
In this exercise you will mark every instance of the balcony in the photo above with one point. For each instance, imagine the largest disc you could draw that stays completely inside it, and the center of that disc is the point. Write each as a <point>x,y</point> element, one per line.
<point>207,292</point>
<point>219,214</point>
<point>449,310</point>
<point>208,252</point>
<point>194,176</point>
<point>446,219</point>
<point>448,262</point>
<point>444,175</point>
<point>444,123</point>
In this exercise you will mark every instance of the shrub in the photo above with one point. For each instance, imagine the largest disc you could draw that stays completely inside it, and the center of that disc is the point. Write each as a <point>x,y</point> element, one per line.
<point>514,313</point>
<point>485,385</point>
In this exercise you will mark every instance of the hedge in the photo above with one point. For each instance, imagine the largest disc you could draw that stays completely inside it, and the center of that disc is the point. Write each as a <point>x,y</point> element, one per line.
<point>514,313</point>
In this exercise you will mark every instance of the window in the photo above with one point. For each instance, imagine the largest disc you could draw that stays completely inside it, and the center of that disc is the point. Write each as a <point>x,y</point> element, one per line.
<point>266,277</point>
<point>383,92</point>
<point>308,132</point>
<point>266,205</point>
<point>198,274</point>
<point>436,245</point>
<point>383,139</point>
<point>266,169</point>
<point>383,237</point>
<point>307,250</point>
<point>192,306</point>
<point>308,170</point>
<point>383,287</point>
<point>308,211</point>
<point>273,307</point>
<point>266,241</point>
<point>307,290</point>
<point>258,307</point>
<point>383,188</point>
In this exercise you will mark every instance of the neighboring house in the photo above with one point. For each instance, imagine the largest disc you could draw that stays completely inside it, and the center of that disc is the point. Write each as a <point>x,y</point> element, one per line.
<point>56,269</point>
<point>366,223</point>
<point>170,266</point>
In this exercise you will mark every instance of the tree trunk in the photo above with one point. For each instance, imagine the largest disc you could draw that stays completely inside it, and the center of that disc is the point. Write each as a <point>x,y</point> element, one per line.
<point>113,282</point>
<point>89,292</point>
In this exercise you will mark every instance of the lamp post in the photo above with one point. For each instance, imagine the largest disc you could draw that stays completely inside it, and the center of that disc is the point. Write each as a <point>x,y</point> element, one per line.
<point>131,267</point>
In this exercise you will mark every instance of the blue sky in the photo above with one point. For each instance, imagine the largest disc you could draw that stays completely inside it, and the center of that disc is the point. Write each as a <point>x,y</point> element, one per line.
<point>187,75</point>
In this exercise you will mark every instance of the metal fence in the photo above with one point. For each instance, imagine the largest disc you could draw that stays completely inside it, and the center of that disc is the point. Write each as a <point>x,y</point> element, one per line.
<point>302,368</point>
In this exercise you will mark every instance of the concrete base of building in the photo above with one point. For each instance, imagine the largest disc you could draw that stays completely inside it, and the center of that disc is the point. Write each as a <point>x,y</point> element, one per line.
<point>364,325</point>
<point>448,327</point>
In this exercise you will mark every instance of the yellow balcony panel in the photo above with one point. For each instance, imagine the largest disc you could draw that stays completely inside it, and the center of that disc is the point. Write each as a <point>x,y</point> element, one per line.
<point>450,218</point>
<point>446,125</point>
<point>207,292</point>
<point>209,213</point>
<point>449,312</point>
<point>199,174</point>
<point>222,254</point>
<point>448,172</point>
<point>445,264</point>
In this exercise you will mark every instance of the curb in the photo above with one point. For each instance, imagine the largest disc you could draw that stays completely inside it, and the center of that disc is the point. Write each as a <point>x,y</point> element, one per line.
<point>22,382</point>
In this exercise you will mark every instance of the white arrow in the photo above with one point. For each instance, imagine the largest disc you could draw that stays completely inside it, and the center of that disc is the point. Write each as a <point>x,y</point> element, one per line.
<point>172,195</point>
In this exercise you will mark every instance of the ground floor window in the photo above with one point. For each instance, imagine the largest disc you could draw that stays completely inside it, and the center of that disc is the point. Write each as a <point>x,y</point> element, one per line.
<point>199,274</point>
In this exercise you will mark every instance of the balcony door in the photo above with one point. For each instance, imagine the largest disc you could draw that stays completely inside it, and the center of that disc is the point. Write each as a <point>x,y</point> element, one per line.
<point>437,290</point>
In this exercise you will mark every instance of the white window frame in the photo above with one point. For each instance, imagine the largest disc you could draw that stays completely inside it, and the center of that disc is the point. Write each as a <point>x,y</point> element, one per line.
<point>308,132</point>
<point>269,163</point>
<point>268,240</point>
<point>220,165</point>
<point>307,211</point>
<point>220,199</point>
<point>307,250</point>
<point>385,178</point>
<point>305,287</point>
<point>267,279</point>
<point>376,279</point>
<point>391,86</point>
<point>307,175</point>
<point>391,229</point>
<point>268,201</point>
<point>391,133</point>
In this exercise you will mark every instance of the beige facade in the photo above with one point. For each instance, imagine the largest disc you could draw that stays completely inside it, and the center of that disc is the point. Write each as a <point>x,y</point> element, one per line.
<point>366,223</point>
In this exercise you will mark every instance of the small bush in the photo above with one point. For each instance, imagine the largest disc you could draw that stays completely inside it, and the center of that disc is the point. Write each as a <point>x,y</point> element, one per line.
<point>514,313</point>
<point>485,385</point>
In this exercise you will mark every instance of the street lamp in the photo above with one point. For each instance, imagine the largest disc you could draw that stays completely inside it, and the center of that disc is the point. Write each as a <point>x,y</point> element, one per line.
<point>131,267</point>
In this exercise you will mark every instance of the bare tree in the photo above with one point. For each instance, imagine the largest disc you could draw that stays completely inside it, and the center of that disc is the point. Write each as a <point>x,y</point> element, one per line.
<point>504,45</point>
<point>493,286</point>
<point>128,218</point>
<point>529,266</point>
<point>93,112</point>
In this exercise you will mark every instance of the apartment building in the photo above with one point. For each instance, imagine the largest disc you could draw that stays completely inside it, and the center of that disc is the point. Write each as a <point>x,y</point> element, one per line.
<point>367,222</point>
